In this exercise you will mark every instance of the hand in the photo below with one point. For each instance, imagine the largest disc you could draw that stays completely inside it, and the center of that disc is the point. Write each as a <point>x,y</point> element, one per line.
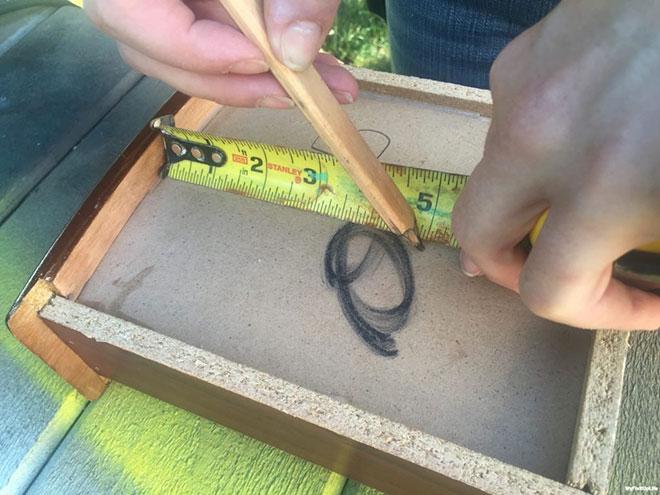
<point>195,47</point>
<point>576,130</point>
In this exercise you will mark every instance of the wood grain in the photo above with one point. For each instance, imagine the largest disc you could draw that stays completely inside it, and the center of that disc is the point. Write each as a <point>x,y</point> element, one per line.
<point>130,443</point>
<point>316,101</point>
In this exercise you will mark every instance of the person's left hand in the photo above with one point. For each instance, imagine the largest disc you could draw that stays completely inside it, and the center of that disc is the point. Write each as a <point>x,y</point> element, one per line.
<point>195,47</point>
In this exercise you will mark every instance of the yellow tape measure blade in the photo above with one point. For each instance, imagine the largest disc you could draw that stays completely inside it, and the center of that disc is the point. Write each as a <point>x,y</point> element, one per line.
<point>308,180</point>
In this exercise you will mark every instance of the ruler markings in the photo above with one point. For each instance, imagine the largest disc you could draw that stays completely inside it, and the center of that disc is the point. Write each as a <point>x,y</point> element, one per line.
<point>290,181</point>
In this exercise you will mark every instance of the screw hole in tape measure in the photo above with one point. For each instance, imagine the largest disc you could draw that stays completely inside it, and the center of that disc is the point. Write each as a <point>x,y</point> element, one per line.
<point>316,182</point>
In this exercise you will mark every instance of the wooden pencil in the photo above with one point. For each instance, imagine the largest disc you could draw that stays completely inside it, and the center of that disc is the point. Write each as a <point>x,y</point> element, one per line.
<point>310,93</point>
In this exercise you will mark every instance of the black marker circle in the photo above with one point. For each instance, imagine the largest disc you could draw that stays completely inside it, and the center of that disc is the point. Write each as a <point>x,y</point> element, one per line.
<point>374,325</point>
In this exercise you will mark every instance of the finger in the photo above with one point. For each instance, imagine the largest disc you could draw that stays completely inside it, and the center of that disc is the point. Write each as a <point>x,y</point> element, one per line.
<point>339,80</point>
<point>211,10</point>
<point>236,89</point>
<point>297,29</point>
<point>568,277</point>
<point>493,214</point>
<point>169,32</point>
<point>328,59</point>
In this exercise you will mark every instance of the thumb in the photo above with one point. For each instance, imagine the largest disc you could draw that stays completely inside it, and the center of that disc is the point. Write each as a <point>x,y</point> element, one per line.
<point>297,29</point>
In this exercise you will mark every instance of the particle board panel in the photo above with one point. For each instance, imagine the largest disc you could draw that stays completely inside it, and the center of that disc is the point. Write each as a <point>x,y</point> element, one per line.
<point>249,287</point>
<point>392,455</point>
<point>598,418</point>
<point>407,132</point>
<point>362,445</point>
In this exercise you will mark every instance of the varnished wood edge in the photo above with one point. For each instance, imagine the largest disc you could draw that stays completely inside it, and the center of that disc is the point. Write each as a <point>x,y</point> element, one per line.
<point>356,443</point>
<point>79,223</point>
<point>598,419</point>
<point>23,320</point>
<point>30,330</point>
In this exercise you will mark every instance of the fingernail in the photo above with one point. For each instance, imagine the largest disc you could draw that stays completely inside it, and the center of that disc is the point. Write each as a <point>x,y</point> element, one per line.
<point>468,267</point>
<point>275,102</point>
<point>343,97</point>
<point>300,44</point>
<point>248,67</point>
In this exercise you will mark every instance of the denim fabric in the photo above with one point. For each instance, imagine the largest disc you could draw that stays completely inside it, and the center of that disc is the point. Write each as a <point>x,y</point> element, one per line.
<point>456,40</point>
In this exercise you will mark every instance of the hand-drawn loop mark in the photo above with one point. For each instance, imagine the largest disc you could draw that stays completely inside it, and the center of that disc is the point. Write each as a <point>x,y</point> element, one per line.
<point>316,147</point>
<point>374,325</point>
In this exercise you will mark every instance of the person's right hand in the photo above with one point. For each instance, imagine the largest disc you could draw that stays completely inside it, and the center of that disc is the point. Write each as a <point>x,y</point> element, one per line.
<point>575,132</point>
<point>194,46</point>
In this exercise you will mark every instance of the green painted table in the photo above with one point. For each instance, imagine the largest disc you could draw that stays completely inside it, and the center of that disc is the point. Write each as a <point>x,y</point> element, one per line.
<point>67,108</point>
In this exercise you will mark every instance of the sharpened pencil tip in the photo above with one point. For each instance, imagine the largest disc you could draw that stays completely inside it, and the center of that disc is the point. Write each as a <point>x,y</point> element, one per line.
<point>413,238</point>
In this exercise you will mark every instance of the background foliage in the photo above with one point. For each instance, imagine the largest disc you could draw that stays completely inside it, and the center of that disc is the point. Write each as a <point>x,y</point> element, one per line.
<point>359,37</point>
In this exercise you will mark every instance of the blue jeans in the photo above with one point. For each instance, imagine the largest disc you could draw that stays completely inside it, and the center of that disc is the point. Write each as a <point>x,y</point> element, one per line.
<point>456,40</point>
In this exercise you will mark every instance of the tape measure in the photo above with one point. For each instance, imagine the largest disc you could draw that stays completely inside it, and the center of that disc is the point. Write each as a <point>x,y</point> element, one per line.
<point>317,182</point>
<point>306,180</point>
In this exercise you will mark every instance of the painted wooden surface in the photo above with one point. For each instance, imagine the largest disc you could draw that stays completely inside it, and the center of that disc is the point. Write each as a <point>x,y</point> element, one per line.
<point>32,399</point>
<point>36,406</point>
<point>637,459</point>
<point>127,442</point>
<point>77,99</point>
